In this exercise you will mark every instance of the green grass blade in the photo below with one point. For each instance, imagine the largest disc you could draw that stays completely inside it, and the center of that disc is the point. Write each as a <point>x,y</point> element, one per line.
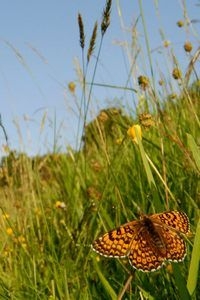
<point>104,281</point>
<point>149,174</point>
<point>146,294</point>
<point>194,149</point>
<point>180,283</point>
<point>194,264</point>
<point>145,162</point>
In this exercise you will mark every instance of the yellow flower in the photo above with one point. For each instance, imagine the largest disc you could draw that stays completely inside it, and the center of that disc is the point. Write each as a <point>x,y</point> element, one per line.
<point>60,204</point>
<point>135,132</point>
<point>9,231</point>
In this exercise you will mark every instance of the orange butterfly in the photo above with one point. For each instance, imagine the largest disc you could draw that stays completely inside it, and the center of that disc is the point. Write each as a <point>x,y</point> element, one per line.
<point>147,242</point>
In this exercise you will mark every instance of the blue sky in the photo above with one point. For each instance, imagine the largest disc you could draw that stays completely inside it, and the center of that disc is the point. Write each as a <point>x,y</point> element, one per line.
<point>39,41</point>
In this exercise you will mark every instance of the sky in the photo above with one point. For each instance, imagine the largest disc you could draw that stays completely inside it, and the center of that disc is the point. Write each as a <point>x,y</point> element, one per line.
<point>39,53</point>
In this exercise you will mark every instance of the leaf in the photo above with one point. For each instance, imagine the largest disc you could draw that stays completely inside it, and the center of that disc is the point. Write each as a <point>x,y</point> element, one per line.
<point>181,283</point>
<point>194,264</point>
<point>194,149</point>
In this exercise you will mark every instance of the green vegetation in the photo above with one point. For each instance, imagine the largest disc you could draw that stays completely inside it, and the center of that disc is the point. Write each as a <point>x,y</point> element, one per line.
<point>54,206</point>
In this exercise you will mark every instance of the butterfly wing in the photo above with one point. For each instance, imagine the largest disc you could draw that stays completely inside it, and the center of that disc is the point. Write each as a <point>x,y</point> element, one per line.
<point>117,242</point>
<point>176,220</point>
<point>145,255</point>
<point>147,242</point>
<point>174,244</point>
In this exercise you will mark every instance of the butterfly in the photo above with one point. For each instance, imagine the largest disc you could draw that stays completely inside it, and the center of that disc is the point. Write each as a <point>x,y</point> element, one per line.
<point>147,242</point>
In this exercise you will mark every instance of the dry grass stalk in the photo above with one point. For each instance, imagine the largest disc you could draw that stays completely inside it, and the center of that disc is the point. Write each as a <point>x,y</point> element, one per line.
<point>190,67</point>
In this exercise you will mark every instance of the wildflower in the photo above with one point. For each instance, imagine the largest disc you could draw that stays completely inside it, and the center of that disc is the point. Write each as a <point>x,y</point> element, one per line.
<point>176,73</point>
<point>9,231</point>
<point>143,82</point>
<point>135,132</point>
<point>188,47</point>
<point>60,204</point>
<point>72,87</point>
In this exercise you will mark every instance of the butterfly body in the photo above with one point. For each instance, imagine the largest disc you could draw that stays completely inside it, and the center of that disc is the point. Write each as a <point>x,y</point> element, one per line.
<point>147,242</point>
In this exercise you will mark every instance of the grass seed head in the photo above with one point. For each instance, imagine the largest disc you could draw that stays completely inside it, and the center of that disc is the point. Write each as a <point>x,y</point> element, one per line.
<point>188,47</point>
<point>143,82</point>
<point>106,17</point>
<point>81,31</point>
<point>176,73</point>
<point>92,42</point>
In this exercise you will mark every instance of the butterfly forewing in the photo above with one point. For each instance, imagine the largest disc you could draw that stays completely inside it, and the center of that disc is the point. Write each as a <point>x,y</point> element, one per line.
<point>116,243</point>
<point>177,220</point>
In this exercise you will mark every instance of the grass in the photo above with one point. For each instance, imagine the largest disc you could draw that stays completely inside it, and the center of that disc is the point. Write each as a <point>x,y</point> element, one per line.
<point>54,206</point>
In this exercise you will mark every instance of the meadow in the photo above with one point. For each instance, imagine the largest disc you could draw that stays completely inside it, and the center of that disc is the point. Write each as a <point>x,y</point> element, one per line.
<point>148,161</point>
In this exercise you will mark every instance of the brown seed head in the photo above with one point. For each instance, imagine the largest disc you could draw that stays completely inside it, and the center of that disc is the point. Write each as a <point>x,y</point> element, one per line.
<point>180,23</point>
<point>188,47</point>
<point>143,82</point>
<point>176,73</point>
<point>146,120</point>
<point>161,82</point>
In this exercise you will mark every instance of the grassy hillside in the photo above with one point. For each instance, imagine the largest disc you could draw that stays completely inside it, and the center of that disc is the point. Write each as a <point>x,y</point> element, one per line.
<point>54,206</point>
